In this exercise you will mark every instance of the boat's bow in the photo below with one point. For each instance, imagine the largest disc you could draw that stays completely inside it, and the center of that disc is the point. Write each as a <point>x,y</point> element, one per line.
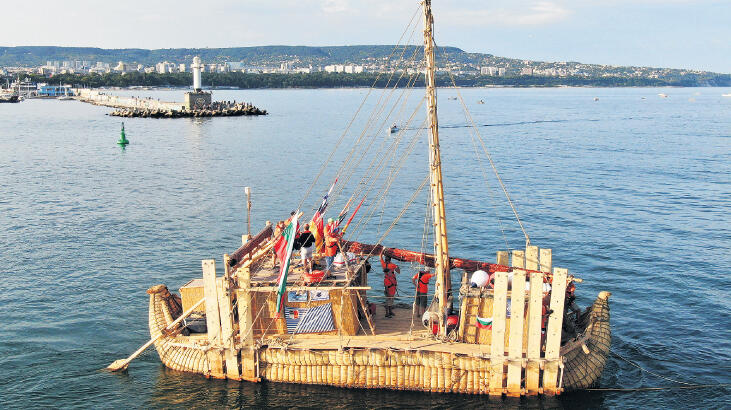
<point>586,355</point>
<point>164,309</point>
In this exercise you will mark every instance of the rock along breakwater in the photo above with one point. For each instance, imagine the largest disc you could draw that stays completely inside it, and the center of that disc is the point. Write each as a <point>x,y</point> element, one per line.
<point>222,109</point>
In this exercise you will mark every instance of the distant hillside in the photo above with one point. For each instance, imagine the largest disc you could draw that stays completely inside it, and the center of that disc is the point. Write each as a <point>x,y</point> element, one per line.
<point>38,55</point>
<point>493,69</point>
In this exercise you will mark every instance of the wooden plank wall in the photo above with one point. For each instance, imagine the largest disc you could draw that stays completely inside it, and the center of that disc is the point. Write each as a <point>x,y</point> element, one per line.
<point>517,361</point>
<point>213,318</point>
<point>553,331</point>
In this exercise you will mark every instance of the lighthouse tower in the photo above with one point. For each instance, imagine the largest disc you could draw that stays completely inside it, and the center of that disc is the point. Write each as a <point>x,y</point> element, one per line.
<point>197,66</point>
<point>197,99</point>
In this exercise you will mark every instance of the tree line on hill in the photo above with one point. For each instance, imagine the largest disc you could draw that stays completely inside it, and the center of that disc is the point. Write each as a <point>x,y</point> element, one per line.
<point>340,80</point>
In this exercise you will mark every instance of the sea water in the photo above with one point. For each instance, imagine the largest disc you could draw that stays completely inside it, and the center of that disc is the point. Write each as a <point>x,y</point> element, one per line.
<point>631,190</point>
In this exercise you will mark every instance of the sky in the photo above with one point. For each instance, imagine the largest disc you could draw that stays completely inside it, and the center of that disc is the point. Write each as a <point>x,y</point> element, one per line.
<point>693,34</point>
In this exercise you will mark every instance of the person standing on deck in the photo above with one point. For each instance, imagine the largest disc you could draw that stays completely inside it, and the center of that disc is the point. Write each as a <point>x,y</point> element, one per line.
<point>421,281</point>
<point>307,243</point>
<point>389,282</point>
<point>331,244</point>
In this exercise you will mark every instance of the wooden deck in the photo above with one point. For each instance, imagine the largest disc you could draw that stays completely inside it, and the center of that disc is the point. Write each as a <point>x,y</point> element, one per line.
<point>391,333</point>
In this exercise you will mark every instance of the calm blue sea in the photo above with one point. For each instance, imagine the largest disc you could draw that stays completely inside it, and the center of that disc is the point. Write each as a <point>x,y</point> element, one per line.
<point>632,192</point>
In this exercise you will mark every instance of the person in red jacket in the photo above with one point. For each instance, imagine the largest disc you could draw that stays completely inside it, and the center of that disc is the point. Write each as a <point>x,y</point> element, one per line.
<point>389,282</point>
<point>421,281</point>
<point>331,244</point>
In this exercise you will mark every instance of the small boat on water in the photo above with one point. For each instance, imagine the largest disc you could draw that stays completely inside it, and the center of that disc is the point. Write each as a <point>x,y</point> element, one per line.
<point>393,129</point>
<point>9,98</point>
<point>510,328</point>
<point>663,95</point>
<point>726,95</point>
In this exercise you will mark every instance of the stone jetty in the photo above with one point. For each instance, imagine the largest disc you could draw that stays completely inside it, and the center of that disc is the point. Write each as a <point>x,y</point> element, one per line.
<point>138,107</point>
<point>215,109</point>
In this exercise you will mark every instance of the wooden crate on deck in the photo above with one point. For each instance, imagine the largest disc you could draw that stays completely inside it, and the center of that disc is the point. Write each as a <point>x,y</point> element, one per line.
<point>191,293</point>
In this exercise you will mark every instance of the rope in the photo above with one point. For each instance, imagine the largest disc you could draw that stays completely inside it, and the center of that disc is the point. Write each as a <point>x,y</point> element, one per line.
<point>685,385</point>
<point>487,153</point>
<point>635,389</point>
<point>352,120</point>
<point>648,371</point>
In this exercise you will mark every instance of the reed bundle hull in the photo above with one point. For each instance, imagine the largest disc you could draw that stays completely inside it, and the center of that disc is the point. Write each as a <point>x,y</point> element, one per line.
<point>399,365</point>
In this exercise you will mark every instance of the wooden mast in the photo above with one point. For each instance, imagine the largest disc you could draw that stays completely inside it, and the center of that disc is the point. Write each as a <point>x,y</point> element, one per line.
<point>441,248</point>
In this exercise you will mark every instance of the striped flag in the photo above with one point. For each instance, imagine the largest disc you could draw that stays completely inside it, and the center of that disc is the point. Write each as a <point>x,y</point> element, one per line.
<point>284,253</point>
<point>484,322</point>
<point>309,320</point>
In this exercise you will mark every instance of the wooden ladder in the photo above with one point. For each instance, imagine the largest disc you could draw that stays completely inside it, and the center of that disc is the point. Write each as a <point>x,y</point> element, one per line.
<point>367,314</point>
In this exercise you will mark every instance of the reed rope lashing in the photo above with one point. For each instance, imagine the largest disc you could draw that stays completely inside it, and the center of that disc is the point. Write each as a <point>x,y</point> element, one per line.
<point>360,107</point>
<point>487,153</point>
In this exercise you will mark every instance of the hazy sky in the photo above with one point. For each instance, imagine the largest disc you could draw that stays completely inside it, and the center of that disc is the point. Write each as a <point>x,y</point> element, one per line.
<point>664,33</point>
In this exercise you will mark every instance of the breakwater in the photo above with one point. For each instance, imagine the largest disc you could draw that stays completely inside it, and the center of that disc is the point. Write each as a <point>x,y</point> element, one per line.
<point>138,107</point>
<point>215,110</point>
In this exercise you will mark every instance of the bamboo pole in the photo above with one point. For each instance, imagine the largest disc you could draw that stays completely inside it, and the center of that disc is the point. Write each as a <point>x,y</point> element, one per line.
<point>122,364</point>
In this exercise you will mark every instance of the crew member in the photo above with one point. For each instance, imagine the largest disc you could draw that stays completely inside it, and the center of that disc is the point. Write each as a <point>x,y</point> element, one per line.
<point>331,244</point>
<point>307,243</point>
<point>389,282</point>
<point>421,281</point>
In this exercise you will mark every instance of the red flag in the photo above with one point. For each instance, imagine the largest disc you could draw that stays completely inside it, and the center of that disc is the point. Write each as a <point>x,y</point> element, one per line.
<point>351,216</point>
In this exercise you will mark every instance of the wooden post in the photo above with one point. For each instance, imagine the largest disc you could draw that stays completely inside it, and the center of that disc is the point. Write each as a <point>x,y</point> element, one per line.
<point>546,261</point>
<point>247,190</point>
<point>213,319</point>
<point>515,341</point>
<point>228,331</point>
<point>553,332</point>
<point>502,258</point>
<point>497,344</point>
<point>531,257</point>
<point>533,353</point>
<point>463,309</point>
<point>518,259</point>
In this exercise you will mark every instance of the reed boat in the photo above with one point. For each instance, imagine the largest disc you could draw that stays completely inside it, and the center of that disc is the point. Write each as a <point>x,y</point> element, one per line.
<point>509,328</point>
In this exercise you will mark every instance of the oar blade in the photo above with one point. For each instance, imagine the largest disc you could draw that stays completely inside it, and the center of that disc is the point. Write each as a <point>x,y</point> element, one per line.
<point>118,365</point>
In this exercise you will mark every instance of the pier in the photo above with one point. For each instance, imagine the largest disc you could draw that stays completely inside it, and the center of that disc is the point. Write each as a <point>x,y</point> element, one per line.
<point>136,107</point>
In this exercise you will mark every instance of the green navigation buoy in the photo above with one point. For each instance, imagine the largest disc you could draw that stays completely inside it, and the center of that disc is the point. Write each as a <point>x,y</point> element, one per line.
<point>123,138</point>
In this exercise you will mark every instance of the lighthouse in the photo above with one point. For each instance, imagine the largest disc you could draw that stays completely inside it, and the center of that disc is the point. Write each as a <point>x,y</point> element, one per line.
<point>197,99</point>
<point>197,66</point>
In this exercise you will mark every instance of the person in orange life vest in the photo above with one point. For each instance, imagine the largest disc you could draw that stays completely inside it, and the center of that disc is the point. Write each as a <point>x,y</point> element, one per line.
<point>331,244</point>
<point>421,281</point>
<point>389,282</point>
